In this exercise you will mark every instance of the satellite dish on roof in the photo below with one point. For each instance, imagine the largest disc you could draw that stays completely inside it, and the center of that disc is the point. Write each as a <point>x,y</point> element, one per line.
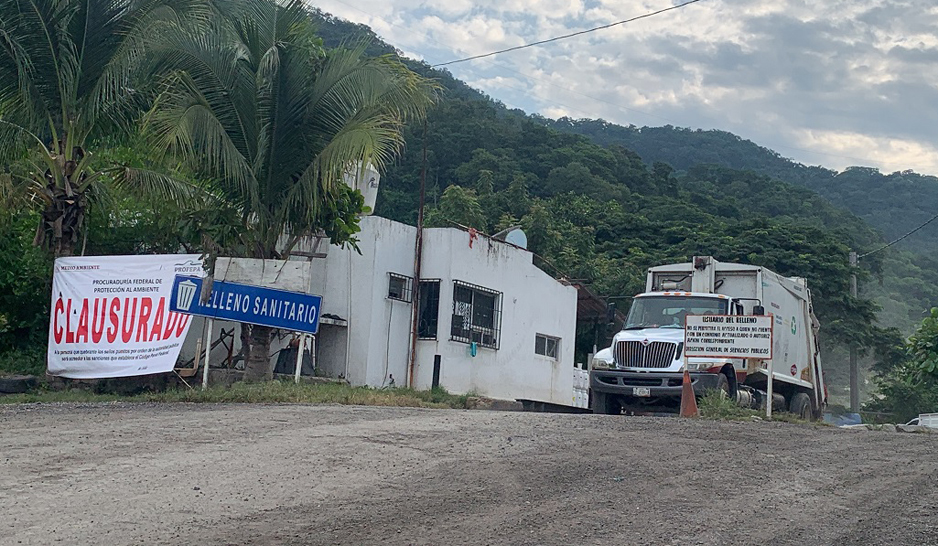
<point>513,235</point>
<point>517,238</point>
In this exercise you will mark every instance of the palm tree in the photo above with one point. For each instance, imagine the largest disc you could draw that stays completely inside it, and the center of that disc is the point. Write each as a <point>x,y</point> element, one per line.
<point>65,79</point>
<point>272,121</point>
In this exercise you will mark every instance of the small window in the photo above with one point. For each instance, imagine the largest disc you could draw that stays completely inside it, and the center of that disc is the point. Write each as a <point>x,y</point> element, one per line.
<point>400,287</point>
<point>546,346</point>
<point>477,315</point>
<point>428,309</point>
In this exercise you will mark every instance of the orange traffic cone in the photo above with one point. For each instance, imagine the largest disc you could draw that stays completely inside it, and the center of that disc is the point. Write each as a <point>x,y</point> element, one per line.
<point>688,400</point>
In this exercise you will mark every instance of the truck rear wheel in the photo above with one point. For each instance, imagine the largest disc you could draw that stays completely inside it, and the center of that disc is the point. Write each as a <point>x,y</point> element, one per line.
<point>801,406</point>
<point>605,404</point>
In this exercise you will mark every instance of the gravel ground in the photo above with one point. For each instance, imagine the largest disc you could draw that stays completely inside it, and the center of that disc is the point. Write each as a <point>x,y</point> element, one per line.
<point>252,474</point>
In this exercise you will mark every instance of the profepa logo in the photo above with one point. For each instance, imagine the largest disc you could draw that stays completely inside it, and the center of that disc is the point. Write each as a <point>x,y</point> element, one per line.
<point>189,266</point>
<point>185,294</point>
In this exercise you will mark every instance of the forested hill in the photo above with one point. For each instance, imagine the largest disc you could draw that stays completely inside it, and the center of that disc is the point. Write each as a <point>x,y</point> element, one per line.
<point>336,32</point>
<point>893,203</point>
<point>597,211</point>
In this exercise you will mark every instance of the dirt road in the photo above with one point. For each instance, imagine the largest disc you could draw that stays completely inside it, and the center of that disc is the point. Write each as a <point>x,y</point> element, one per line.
<point>186,474</point>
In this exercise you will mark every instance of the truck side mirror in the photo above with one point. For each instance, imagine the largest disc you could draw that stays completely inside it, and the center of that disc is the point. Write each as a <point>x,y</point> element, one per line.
<point>758,310</point>
<point>611,313</point>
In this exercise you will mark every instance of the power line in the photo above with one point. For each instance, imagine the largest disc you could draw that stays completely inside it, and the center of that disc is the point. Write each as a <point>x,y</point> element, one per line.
<point>565,36</point>
<point>588,115</point>
<point>933,218</point>
<point>518,72</point>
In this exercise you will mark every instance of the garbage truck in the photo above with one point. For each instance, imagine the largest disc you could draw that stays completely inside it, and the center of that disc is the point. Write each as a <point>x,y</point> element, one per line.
<point>643,369</point>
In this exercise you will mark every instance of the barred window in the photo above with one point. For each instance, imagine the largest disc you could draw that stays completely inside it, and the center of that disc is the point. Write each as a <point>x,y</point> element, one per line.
<point>400,287</point>
<point>477,315</point>
<point>428,308</point>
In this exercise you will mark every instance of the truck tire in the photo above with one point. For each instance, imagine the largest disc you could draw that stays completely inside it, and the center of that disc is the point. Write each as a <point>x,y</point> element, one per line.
<point>723,385</point>
<point>801,406</point>
<point>604,404</point>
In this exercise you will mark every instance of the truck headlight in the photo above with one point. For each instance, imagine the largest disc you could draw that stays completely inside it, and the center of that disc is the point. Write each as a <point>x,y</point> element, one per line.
<point>601,364</point>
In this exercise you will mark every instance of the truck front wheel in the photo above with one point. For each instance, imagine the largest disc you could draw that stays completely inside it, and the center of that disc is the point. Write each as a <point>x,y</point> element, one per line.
<point>723,385</point>
<point>801,406</point>
<point>605,404</point>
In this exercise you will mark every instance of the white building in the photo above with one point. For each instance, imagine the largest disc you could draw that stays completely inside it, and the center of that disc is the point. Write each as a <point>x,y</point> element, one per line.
<point>485,312</point>
<point>490,321</point>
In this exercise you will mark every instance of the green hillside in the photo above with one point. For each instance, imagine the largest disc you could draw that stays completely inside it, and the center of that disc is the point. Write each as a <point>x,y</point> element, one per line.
<point>601,212</point>
<point>600,203</point>
<point>893,204</point>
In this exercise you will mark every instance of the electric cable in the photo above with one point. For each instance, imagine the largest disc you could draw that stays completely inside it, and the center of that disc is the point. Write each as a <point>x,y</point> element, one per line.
<point>887,245</point>
<point>589,115</point>
<point>565,36</point>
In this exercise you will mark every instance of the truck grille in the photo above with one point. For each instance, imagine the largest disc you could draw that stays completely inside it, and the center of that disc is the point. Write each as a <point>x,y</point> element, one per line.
<point>632,354</point>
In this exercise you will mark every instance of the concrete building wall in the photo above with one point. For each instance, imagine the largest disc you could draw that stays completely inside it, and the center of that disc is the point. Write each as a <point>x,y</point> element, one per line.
<point>532,302</point>
<point>354,286</point>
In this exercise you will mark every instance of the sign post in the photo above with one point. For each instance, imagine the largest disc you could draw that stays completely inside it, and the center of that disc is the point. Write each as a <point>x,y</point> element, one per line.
<point>299,358</point>
<point>210,324</point>
<point>769,391</point>
<point>732,336</point>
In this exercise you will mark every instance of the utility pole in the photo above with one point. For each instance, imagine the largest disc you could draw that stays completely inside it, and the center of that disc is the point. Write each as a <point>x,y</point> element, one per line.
<point>854,371</point>
<point>418,258</point>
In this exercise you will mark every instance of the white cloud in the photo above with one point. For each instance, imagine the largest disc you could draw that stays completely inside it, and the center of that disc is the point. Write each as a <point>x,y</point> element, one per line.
<point>816,80</point>
<point>890,154</point>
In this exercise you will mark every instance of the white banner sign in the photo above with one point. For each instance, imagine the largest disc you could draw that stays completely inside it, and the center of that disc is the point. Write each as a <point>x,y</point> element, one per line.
<point>728,336</point>
<point>111,318</point>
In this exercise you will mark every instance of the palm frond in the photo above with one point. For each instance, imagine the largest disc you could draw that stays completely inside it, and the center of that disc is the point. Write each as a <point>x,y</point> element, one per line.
<point>185,125</point>
<point>273,123</point>
<point>161,185</point>
<point>15,137</point>
<point>29,91</point>
<point>217,71</point>
<point>348,83</point>
<point>116,51</point>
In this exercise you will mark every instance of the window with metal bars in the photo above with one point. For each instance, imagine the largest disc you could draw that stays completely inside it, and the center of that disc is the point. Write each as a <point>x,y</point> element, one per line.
<point>428,308</point>
<point>477,315</point>
<point>400,287</point>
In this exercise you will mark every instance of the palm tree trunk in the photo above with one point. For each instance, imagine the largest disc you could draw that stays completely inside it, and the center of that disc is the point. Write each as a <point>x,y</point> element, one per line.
<point>63,217</point>
<point>60,226</point>
<point>257,363</point>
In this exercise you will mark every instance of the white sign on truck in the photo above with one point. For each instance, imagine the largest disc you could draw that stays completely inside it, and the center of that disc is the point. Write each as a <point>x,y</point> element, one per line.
<point>728,336</point>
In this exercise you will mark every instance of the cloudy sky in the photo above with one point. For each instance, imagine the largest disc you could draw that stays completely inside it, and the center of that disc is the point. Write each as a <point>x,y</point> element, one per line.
<point>826,82</point>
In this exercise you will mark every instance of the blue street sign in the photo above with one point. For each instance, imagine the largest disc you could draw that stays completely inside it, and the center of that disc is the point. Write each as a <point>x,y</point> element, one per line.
<point>237,302</point>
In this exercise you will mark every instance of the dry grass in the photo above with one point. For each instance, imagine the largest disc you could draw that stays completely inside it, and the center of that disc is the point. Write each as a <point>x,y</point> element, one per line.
<point>714,405</point>
<point>260,393</point>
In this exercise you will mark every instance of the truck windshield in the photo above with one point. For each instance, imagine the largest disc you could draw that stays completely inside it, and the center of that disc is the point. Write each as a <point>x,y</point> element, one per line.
<point>669,311</point>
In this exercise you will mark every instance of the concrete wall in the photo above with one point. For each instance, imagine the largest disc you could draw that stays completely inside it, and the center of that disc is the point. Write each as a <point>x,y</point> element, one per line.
<point>532,303</point>
<point>354,287</point>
